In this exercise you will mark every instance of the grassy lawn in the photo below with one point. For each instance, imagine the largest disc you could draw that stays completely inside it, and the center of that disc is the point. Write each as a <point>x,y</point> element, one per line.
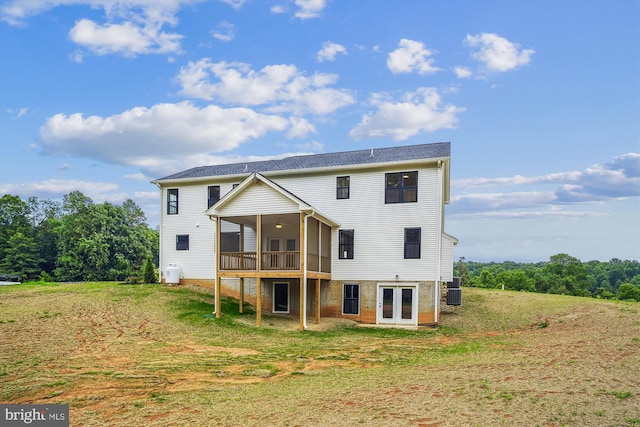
<point>154,355</point>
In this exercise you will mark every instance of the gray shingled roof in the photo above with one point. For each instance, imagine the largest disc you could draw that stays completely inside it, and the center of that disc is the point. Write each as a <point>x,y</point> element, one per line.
<point>313,161</point>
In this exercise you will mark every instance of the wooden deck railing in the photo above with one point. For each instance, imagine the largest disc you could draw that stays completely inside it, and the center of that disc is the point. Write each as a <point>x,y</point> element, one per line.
<point>280,260</point>
<point>238,261</point>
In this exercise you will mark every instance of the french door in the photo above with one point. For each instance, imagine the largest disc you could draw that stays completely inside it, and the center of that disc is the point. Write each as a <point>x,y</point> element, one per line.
<point>397,304</point>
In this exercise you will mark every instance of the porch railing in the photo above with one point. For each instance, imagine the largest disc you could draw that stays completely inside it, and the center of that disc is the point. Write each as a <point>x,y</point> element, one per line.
<point>281,260</point>
<point>238,261</point>
<point>272,260</point>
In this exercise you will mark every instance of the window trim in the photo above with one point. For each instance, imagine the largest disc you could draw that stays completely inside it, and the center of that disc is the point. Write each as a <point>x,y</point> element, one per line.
<point>346,249</point>
<point>402,190</point>
<point>172,204</point>
<point>411,244</point>
<point>342,189</point>
<point>184,245</point>
<point>212,200</point>
<point>352,298</point>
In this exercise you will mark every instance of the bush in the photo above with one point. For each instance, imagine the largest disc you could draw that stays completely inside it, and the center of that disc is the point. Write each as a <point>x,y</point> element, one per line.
<point>627,291</point>
<point>149,272</point>
<point>132,280</point>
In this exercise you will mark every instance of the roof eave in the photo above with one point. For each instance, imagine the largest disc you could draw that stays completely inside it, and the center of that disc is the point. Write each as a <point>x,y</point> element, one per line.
<point>361,166</point>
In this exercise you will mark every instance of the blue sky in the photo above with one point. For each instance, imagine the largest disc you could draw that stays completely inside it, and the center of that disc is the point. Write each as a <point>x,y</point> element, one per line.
<point>540,100</point>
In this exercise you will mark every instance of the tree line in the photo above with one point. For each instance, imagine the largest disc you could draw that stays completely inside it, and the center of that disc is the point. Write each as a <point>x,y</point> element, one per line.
<point>562,274</point>
<point>75,240</point>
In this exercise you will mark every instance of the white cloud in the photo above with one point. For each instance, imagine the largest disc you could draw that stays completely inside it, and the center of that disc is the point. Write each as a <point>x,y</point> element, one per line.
<point>497,54</point>
<point>54,188</point>
<point>223,32</point>
<point>411,56</point>
<point>309,8</point>
<point>618,178</point>
<point>139,176</point>
<point>329,51</point>
<point>160,137</point>
<point>127,38</point>
<point>278,9</point>
<point>417,112</point>
<point>131,27</point>
<point>615,180</point>
<point>236,4</point>
<point>278,88</point>
<point>462,72</point>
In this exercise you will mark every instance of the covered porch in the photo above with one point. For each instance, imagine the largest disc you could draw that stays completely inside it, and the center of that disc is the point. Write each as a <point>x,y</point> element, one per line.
<point>286,245</point>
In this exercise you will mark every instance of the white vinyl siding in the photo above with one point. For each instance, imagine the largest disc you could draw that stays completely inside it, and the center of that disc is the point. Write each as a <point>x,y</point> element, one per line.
<point>446,260</point>
<point>259,199</point>
<point>378,227</point>
<point>199,260</point>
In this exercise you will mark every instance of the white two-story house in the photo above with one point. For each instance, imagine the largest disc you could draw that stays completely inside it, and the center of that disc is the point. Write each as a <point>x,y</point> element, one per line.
<point>357,234</point>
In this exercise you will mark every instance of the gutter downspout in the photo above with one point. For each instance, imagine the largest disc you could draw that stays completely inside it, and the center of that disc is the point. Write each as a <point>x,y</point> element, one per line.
<point>438,244</point>
<point>304,272</point>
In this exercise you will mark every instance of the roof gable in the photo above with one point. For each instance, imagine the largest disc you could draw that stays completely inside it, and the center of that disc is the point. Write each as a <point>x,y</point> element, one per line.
<point>271,197</point>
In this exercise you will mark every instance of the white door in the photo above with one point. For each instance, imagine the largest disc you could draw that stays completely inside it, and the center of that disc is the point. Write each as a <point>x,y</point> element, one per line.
<point>397,304</point>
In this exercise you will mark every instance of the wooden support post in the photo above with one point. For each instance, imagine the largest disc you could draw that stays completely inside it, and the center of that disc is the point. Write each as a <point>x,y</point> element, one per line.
<point>241,308</point>
<point>258,301</point>
<point>217,301</point>
<point>317,301</point>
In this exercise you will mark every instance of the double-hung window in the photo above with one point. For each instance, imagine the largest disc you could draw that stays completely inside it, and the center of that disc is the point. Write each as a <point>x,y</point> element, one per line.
<point>412,243</point>
<point>172,201</point>
<point>182,242</point>
<point>351,298</point>
<point>213,195</point>
<point>345,244</point>
<point>342,187</point>
<point>401,187</point>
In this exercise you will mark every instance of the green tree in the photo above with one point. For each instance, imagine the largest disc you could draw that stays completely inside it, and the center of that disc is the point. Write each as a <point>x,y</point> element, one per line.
<point>14,218</point>
<point>102,241</point>
<point>627,291</point>
<point>21,257</point>
<point>568,275</point>
<point>462,271</point>
<point>149,271</point>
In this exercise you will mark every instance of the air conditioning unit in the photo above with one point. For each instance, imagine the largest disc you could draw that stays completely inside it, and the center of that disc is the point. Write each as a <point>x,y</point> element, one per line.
<point>454,296</point>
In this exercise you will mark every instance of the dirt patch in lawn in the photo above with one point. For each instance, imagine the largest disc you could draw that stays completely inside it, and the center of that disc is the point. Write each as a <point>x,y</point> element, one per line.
<point>120,362</point>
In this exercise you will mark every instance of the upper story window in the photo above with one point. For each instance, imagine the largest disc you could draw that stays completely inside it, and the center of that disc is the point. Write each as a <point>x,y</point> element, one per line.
<point>345,244</point>
<point>342,187</point>
<point>213,195</point>
<point>172,201</point>
<point>401,187</point>
<point>412,243</point>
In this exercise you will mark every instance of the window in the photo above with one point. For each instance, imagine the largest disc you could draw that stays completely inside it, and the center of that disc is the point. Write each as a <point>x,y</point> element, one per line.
<point>351,298</point>
<point>213,195</point>
<point>345,244</point>
<point>342,187</point>
<point>182,242</point>
<point>412,243</point>
<point>401,187</point>
<point>172,201</point>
